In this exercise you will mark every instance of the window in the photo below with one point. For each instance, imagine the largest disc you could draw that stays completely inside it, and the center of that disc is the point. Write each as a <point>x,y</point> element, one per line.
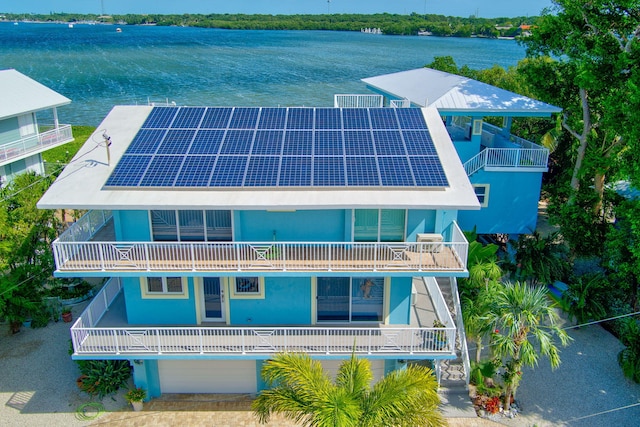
<point>247,287</point>
<point>164,287</point>
<point>191,226</point>
<point>344,299</point>
<point>477,126</point>
<point>379,225</point>
<point>482,193</point>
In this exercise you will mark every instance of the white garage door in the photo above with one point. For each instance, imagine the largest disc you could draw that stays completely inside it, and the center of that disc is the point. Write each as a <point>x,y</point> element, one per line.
<point>207,376</point>
<point>332,366</point>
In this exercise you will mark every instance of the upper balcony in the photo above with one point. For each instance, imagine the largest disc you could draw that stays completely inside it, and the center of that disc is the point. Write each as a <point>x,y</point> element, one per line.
<point>88,246</point>
<point>499,151</point>
<point>34,144</point>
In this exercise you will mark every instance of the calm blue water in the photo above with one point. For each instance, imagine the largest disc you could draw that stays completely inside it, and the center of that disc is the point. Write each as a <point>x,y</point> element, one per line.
<point>97,68</point>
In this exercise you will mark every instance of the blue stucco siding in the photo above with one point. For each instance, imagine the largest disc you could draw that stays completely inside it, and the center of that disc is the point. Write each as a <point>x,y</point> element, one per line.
<point>467,149</point>
<point>145,375</point>
<point>306,225</point>
<point>420,221</point>
<point>287,302</point>
<point>400,301</point>
<point>158,311</point>
<point>132,226</point>
<point>513,203</point>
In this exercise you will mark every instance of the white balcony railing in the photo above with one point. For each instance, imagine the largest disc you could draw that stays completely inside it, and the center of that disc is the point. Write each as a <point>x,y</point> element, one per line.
<point>259,256</point>
<point>99,305</point>
<point>520,158</point>
<point>86,227</point>
<point>358,101</point>
<point>260,340</point>
<point>35,143</point>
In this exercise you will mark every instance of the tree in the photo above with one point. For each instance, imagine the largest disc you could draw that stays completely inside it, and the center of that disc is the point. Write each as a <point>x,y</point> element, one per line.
<point>595,68</point>
<point>304,393</point>
<point>523,317</point>
<point>476,315</point>
<point>540,259</point>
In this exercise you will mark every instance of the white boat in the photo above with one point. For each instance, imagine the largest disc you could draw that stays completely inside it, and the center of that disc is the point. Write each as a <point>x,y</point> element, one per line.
<point>118,30</point>
<point>70,25</point>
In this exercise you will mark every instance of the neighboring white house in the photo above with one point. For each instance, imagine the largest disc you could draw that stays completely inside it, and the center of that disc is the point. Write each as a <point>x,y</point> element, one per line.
<point>22,137</point>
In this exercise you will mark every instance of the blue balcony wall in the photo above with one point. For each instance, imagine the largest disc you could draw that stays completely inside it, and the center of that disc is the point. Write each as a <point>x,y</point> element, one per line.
<point>132,226</point>
<point>420,221</point>
<point>287,302</point>
<point>156,311</point>
<point>310,225</point>
<point>513,203</point>
<point>400,301</point>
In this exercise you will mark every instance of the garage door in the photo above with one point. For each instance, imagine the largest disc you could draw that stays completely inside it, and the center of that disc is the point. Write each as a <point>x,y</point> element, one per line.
<point>207,376</point>
<point>332,366</point>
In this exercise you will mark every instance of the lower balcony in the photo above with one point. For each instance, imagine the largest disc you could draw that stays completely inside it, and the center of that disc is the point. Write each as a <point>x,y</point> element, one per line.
<point>95,336</point>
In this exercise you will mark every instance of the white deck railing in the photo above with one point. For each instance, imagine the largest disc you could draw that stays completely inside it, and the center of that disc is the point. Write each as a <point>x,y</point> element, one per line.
<point>35,143</point>
<point>520,158</point>
<point>400,103</point>
<point>261,340</point>
<point>358,101</point>
<point>86,227</point>
<point>260,256</point>
<point>99,305</point>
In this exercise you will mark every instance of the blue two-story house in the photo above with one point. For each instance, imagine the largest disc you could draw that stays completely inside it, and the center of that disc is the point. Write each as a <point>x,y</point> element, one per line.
<point>505,170</point>
<point>28,124</point>
<point>230,234</point>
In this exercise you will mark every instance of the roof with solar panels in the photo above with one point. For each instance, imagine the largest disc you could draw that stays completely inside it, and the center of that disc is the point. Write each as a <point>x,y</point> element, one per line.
<point>265,158</point>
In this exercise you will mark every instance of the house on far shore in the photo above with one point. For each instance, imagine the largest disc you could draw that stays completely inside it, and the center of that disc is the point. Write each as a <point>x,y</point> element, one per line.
<point>230,234</point>
<point>23,104</point>
<point>505,170</point>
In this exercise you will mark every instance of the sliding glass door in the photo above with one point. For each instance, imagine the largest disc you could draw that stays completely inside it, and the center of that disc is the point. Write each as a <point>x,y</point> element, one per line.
<point>345,299</point>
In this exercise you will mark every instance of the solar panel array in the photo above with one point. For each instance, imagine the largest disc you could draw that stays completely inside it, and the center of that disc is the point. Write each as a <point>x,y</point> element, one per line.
<point>195,147</point>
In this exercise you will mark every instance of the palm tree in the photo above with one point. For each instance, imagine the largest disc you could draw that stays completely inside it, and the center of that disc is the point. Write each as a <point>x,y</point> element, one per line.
<point>304,393</point>
<point>524,316</point>
<point>476,315</point>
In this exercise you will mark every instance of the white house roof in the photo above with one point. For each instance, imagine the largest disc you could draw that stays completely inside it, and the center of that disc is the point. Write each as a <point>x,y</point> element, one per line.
<point>82,183</point>
<point>451,93</point>
<point>21,94</point>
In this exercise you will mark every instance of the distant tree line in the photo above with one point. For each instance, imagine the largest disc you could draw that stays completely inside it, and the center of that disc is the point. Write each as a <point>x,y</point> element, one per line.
<point>393,24</point>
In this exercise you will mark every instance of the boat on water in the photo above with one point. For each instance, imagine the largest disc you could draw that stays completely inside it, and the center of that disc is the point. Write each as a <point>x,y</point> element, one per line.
<point>70,25</point>
<point>118,30</point>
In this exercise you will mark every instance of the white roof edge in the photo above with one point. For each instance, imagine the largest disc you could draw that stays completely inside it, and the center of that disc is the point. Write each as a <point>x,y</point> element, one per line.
<point>22,94</point>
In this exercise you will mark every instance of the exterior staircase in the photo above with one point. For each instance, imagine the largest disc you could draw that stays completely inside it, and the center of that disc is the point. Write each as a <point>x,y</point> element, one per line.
<point>454,373</point>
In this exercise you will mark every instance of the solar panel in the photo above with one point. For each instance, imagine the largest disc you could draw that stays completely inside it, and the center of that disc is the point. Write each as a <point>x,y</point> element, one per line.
<point>395,172</point>
<point>146,141</point>
<point>196,147</point>
<point>383,118</point>
<point>328,171</point>
<point>216,118</point>
<point>207,142</point>
<point>295,172</point>
<point>128,171</point>
<point>244,118</point>
<point>162,171</point>
<point>188,118</point>
<point>228,171</point>
<point>196,171</point>
<point>419,142</point>
<point>267,142</point>
<point>328,118</point>
<point>411,118</point>
<point>160,117</point>
<point>388,143</point>
<point>176,141</point>
<point>272,118</point>
<point>300,118</point>
<point>262,171</point>
<point>297,143</point>
<point>428,171</point>
<point>355,118</point>
<point>362,171</point>
<point>328,143</point>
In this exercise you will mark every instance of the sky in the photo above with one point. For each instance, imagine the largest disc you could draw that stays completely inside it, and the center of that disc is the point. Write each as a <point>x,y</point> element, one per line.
<point>463,8</point>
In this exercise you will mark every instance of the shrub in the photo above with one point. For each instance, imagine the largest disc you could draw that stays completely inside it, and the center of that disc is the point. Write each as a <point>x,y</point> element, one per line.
<point>103,377</point>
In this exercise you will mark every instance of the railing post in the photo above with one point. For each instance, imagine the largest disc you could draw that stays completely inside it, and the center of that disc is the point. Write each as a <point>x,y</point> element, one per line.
<point>201,341</point>
<point>244,349</point>
<point>101,252</point>
<point>115,340</point>
<point>158,341</point>
<point>146,256</point>
<point>193,258</point>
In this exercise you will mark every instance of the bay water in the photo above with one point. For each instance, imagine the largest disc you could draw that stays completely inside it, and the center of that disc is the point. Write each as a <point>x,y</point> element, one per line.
<point>97,67</point>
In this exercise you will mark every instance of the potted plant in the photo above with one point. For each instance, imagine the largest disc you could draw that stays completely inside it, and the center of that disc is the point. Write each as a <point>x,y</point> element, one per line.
<point>66,315</point>
<point>135,396</point>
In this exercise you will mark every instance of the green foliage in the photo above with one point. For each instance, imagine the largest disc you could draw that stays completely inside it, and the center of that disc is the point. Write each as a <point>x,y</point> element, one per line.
<point>585,298</point>
<point>629,357</point>
<point>137,394</point>
<point>303,392</point>
<point>103,377</point>
<point>540,259</point>
<point>64,153</point>
<point>523,316</point>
